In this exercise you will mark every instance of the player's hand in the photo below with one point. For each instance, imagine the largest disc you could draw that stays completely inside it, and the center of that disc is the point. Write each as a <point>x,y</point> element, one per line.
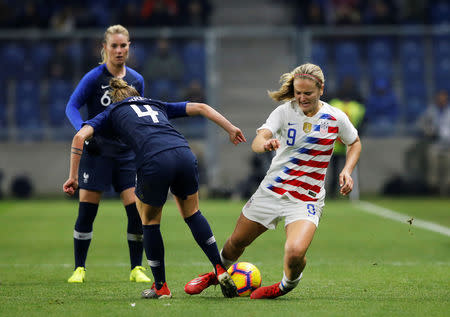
<point>271,145</point>
<point>345,182</point>
<point>236,136</point>
<point>70,186</point>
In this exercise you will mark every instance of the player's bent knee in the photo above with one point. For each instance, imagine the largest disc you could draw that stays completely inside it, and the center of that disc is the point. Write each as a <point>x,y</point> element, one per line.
<point>295,253</point>
<point>295,262</point>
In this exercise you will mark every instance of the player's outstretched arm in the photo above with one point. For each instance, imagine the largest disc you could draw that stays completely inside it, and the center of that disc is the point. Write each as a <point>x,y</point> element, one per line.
<point>71,185</point>
<point>345,179</point>
<point>263,142</point>
<point>202,109</point>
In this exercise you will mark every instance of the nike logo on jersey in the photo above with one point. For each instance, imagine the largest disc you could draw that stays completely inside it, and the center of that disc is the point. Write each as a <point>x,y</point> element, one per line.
<point>291,123</point>
<point>104,87</point>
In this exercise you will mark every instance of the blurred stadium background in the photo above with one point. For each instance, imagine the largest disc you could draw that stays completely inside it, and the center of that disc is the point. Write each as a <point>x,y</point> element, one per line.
<point>228,54</point>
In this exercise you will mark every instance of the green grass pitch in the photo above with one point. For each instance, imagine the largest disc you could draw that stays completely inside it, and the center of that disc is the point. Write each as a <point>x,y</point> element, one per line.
<point>359,264</point>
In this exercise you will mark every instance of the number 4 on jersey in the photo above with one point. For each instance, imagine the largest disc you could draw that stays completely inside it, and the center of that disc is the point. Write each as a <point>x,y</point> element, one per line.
<point>150,112</point>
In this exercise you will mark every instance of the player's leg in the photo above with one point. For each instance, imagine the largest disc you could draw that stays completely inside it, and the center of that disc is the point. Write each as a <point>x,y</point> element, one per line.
<point>82,234</point>
<point>134,236</point>
<point>260,213</point>
<point>185,188</point>
<point>245,232</point>
<point>154,249</point>
<point>152,185</point>
<point>204,237</point>
<point>124,179</point>
<point>199,227</point>
<point>299,235</point>
<point>95,177</point>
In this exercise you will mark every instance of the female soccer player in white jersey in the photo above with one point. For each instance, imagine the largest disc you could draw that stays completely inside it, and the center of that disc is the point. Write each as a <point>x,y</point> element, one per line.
<point>302,131</point>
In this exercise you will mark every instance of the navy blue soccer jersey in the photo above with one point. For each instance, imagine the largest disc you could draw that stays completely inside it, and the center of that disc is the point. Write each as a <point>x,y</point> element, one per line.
<point>143,124</point>
<point>93,91</point>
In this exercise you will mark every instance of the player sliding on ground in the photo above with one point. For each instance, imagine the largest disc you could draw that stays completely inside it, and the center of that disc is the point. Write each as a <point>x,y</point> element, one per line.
<point>302,131</point>
<point>163,160</point>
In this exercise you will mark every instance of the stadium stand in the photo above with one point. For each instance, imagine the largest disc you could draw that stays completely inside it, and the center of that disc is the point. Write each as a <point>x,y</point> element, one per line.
<point>194,58</point>
<point>320,54</point>
<point>417,65</point>
<point>348,60</point>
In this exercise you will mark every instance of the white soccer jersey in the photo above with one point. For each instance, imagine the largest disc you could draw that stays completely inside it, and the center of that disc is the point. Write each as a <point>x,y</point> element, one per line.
<point>300,164</point>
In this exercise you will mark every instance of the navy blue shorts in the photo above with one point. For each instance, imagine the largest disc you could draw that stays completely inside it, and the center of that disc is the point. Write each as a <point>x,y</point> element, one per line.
<point>98,172</point>
<point>175,169</point>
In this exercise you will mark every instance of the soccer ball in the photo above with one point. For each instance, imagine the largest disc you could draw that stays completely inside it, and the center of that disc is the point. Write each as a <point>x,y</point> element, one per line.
<point>246,276</point>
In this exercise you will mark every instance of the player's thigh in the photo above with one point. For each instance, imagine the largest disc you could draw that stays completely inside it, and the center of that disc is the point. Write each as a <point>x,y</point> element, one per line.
<point>150,215</point>
<point>187,206</point>
<point>185,182</point>
<point>95,172</point>
<point>154,178</point>
<point>90,196</point>
<point>124,177</point>
<point>246,231</point>
<point>152,188</point>
<point>128,196</point>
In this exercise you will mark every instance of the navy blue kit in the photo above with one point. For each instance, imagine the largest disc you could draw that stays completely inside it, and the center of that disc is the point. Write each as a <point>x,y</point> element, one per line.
<point>163,157</point>
<point>113,162</point>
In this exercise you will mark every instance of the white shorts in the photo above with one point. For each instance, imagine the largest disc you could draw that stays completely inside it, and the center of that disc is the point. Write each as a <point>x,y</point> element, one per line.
<point>268,210</point>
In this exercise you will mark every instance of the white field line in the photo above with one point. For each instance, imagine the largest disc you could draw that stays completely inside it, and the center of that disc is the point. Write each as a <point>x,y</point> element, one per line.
<point>67,265</point>
<point>393,215</point>
<point>206,266</point>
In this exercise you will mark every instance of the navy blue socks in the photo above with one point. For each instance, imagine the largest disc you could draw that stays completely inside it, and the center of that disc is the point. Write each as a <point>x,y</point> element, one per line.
<point>134,235</point>
<point>203,235</point>
<point>154,249</point>
<point>82,235</point>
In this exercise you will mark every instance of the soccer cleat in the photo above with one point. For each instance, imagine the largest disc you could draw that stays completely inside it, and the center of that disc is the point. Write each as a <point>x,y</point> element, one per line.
<point>137,275</point>
<point>200,283</point>
<point>161,293</point>
<point>78,275</point>
<point>272,291</point>
<point>227,285</point>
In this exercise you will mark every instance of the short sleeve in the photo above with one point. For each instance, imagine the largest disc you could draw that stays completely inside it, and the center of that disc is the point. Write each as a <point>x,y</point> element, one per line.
<point>99,122</point>
<point>274,122</point>
<point>347,132</point>
<point>176,109</point>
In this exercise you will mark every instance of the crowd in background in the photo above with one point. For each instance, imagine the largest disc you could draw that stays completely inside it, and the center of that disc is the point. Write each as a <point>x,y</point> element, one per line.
<point>71,14</point>
<point>372,12</point>
<point>176,68</point>
<point>68,15</point>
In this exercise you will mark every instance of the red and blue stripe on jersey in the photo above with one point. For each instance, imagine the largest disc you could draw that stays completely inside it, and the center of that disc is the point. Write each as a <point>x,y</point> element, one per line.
<point>303,178</point>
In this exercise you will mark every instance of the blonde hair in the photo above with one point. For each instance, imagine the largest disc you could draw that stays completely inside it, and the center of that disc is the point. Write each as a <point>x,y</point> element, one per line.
<point>113,29</point>
<point>286,91</point>
<point>121,90</point>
